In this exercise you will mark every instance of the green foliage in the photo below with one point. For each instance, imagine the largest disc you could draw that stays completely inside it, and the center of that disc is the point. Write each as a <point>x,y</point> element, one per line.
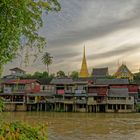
<point>1,105</point>
<point>138,107</point>
<point>137,76</point>
<point>40,75</point>
<point>37,75</point>
<point>74,75</point>
<point>45,74</point>
<point>22,19</point>
<point>110,77</point>
<point>61,74</point>
<point>47,60</point>
<point>21,131</point>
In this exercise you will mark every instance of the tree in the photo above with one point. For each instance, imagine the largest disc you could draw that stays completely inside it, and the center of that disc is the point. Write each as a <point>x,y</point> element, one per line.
<point>47,60</point>
<point>45,74</point>
<point>110,77</point>
<point>74,75</point>
<point>21,20</point>
<point>137,76</point>
<point>61,74</point>
<point>37,75</point>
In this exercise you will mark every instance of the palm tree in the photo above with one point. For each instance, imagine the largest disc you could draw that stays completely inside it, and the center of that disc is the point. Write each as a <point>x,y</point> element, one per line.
<point>47,60</point>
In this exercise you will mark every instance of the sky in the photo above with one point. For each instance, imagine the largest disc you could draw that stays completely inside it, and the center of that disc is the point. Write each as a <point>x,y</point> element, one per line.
<point>109,29</point>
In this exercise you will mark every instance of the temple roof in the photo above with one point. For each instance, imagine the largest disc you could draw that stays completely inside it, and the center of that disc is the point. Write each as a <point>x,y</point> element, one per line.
<point>123,69</point>
<point>100,72</point>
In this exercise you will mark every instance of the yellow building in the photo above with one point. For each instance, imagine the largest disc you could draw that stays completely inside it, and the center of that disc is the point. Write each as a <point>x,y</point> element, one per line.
<point>84,70</point>
<point>124,72</point>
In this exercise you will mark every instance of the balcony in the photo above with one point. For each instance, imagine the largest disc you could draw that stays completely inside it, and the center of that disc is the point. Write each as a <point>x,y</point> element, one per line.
<point>19,101</point>
<point>50,100</point>
<point>68,101</point>
<point>68,91</point>
<point>101,101</point>
<point>80,91</point>
<point>91,101</point>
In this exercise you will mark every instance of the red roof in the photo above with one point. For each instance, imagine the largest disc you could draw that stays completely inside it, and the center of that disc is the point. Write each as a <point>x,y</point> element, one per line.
<point>27,81</point>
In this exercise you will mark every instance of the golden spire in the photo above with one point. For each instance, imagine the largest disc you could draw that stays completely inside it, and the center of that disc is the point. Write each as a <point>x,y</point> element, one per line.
<point>84,70</point>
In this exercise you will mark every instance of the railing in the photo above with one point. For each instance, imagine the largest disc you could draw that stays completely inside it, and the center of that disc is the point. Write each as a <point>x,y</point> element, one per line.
<point>14,101</point>
<point>78,101</point>
<point>125,101</point>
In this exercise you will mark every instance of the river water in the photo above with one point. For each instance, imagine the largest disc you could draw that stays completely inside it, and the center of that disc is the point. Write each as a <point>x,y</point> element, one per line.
<point>83,126</point>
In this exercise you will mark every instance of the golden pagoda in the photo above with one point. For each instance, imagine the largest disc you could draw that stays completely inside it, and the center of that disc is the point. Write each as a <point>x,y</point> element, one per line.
<point>84,70</point>
<point>124,72</point>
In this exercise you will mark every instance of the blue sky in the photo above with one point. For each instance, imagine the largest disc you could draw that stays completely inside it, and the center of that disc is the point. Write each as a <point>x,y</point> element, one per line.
<point>109,29</point>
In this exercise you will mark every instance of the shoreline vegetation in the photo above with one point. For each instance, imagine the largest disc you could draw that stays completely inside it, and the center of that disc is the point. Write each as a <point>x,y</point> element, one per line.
<point>18,130</point>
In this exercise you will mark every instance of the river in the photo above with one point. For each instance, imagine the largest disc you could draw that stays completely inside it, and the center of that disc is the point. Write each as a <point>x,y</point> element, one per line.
<point>83,126</point>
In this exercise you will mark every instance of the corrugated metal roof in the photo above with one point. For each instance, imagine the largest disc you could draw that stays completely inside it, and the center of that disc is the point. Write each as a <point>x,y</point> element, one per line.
<point>62,81</point>
<point>111,81</point>
<point>17,69</point>
<point>23,81</point>
<point>118,92</point>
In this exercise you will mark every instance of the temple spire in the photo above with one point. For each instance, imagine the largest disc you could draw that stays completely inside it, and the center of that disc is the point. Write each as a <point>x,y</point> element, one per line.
<point>84,70</point>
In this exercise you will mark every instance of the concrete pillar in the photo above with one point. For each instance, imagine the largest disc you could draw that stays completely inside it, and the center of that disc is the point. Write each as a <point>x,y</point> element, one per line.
<point>30,107</point>
<point>116,107</point>
<point>90,108</point>
<point>40,106</point>
<point>86,108</point>
<point>125,107</point>
<point>72,107</point>
<point>37,106</point>
<point>45,106</point>
<point>59,107</point>
<point>97,108</point>
<point>75,108</point>
<point>64,107</point>
<point>54,106</point>
<point>106,107</point>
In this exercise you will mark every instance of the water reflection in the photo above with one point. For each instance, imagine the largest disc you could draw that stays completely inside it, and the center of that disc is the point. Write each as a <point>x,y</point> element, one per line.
<point>83,126</point>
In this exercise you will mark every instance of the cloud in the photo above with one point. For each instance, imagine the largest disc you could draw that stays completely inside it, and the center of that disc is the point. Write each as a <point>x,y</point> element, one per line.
<point>122,16</point>
<point>119,51</point>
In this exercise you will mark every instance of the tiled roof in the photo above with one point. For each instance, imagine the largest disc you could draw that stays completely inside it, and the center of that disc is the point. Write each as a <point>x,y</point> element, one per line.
<point>62,81</point>
<point>111,81</point>
<point>100,72</point>
<point>118,92</point>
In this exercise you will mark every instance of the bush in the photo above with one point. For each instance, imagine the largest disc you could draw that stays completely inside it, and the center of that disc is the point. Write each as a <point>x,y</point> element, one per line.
<point>21,131</point>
